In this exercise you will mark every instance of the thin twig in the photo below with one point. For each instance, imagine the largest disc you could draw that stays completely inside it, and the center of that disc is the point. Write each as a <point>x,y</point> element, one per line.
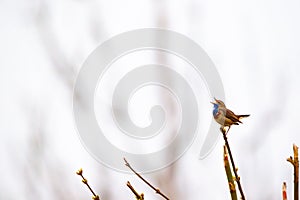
<point>230,179</point>
<point>224,132</point>
<point>284,194</point>
<point>145,181</point>
<point>295,162</point>
<point>137,195</point>
<point>84,180</point>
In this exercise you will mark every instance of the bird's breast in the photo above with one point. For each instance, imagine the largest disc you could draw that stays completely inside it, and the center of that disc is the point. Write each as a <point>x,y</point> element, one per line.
<point>220,118</point>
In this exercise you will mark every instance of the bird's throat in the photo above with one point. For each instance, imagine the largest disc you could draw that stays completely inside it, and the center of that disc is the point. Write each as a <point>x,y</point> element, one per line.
<point>216,109</point>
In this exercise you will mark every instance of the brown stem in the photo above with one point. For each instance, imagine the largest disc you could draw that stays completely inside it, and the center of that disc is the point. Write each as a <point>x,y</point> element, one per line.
<point>295,162</point>
<point>137,195</point>
<point>84,180</point>
<point>145,181</point>
<point>230,179</point>
<point>232,163</point>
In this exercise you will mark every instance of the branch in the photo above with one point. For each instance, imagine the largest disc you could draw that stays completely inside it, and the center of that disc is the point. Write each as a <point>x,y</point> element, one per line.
<point>224,132</point>
<point>137,195</point>
<point>95,197</point>
<point>284,194</point>
<point>230,179</point>
<point>295,162</point>
<point>145,181</point>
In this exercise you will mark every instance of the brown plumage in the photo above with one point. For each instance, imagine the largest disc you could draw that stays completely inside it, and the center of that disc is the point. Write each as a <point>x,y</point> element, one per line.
<point>224,116</point>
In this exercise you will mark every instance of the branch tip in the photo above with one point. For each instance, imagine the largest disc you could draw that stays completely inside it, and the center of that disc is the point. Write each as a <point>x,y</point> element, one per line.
<point>85,181</point>
<point>145,181</point>
<point>137,195</point>
<point>284,194</point>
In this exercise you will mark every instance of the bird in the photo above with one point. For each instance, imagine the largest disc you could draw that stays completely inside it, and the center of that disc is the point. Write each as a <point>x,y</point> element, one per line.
<point>224,116</point>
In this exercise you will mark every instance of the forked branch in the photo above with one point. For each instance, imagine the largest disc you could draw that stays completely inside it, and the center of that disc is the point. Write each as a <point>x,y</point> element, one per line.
<point>295,162</point>
<point>230,178</point>
<point>137,195</point>
<point>145,181</point>
<point>224,132</point>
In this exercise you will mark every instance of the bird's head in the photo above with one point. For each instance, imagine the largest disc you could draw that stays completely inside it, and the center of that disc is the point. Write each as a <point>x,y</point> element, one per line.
<point>216,105</point>
<point>219,102</point>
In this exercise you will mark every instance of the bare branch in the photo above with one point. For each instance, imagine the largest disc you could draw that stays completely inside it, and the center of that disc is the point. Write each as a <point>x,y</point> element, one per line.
<point>137,195</point>
<point>145,181</point>
<point>295,162</point>
<point>84,180</point>
<point>284,194</point>
<point>224,132</point>
<point>230,178</point>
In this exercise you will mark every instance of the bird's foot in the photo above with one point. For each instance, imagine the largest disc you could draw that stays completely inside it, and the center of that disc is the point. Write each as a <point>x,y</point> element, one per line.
<point>223,129</point>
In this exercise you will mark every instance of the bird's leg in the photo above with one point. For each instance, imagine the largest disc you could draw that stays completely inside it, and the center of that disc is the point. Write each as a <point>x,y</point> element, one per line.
<point>228,129</point>
<point>223,129</point>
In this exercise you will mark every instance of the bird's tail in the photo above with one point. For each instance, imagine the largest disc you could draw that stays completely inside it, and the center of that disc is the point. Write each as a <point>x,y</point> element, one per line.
<point>242,116</point>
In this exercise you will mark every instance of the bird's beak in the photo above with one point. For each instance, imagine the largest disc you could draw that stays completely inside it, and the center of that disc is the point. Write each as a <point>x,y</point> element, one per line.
<point>212,103</point>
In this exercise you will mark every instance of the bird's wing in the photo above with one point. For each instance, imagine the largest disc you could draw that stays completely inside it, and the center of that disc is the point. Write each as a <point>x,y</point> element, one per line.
<point>230,115</point>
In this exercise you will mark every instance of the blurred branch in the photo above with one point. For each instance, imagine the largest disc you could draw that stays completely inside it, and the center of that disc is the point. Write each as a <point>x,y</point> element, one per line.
<point>84,180</point>
<point>64,67</point>
<point>295,162</point>
<point>229,176</point>
<point>145,181</point>
<point>284,195</point>
<point>224,132</point>
<point>137,195</point>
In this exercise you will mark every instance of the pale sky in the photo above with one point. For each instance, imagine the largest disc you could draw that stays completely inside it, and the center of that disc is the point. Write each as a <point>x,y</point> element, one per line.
<point>254,45</point>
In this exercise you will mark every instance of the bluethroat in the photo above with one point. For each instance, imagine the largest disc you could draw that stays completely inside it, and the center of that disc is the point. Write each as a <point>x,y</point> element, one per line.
<point>224,116</point>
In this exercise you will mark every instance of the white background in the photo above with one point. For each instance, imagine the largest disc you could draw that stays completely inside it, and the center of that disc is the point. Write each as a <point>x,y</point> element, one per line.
<point>254,44</point>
